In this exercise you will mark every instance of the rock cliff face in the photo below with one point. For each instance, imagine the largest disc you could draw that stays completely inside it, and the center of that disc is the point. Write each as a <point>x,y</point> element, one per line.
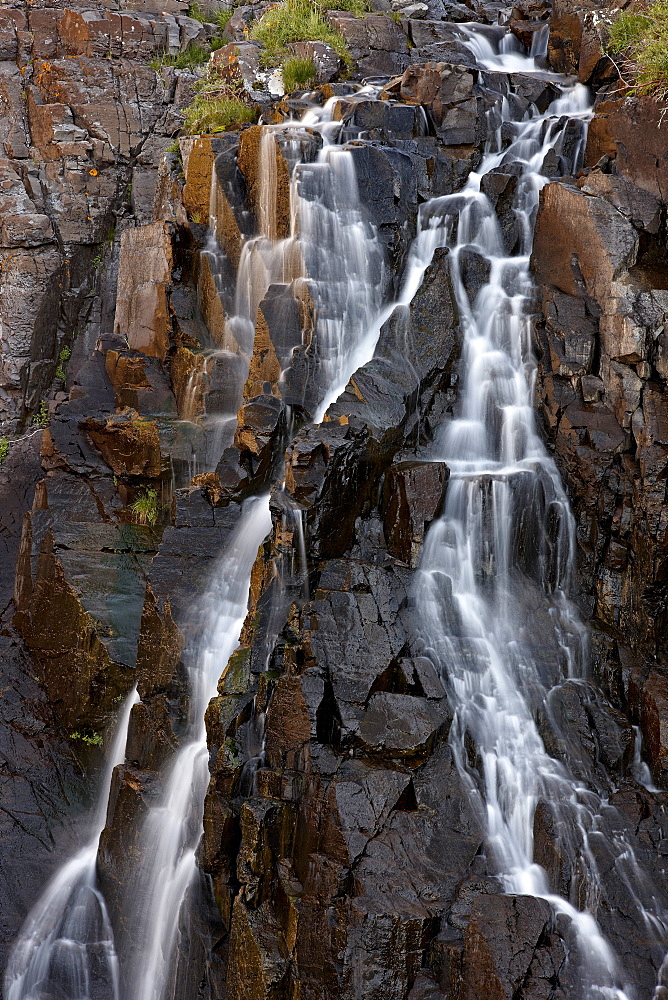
<point>342,854</point>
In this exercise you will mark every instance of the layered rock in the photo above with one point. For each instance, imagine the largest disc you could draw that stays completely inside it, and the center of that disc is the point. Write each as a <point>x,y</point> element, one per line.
<point>599,257</point>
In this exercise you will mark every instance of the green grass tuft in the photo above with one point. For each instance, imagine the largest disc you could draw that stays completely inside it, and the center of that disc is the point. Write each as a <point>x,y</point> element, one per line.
<point>145,507</point>
<point>640,36</point>
<point>194,55</point>
<point>298,74</point>
<point>63,358</point>
<point>296,21</point>
<point>4,449</point>
<point>216,109</point>
<point>197,11</point>
<point>40,417</point>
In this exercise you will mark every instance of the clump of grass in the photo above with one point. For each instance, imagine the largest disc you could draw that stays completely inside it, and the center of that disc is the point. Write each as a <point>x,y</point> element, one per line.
<point>40,417</point>
<point>197,11</point>
<point>193,55</point>
<point>357,7</point>
<point>640,36</point>
<point>63,358</point>
<point>298,73</point>
<point>296,21</point>
<point>222,17</point>
<point>145,507</point>
<point>216,108</point>
<point>4,449</point>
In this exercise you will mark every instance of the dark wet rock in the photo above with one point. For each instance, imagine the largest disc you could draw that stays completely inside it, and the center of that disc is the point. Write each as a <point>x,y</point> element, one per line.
<point>332,467</point>
<point>500,943</point>
<point>412,497</point>
<point>453,102</point>
<point>376,43</point>
<point>500,188</point>
<point>474,269</point>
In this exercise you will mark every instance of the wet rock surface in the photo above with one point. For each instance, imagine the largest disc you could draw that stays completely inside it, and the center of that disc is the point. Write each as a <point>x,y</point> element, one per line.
<point>342,852</point>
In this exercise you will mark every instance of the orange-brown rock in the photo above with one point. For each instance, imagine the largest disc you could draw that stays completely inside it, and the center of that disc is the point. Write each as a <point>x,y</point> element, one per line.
<point>198,157</point>
<point>211,307</point>
<point>264,365</point>
<point>129,445</point>
<point>227,228</point>
<point>189,377</point>
<point>144,277</point>
<point>268,179</point>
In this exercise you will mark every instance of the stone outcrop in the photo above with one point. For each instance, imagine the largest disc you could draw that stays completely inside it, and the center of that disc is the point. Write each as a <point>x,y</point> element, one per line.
<point>600,261</point>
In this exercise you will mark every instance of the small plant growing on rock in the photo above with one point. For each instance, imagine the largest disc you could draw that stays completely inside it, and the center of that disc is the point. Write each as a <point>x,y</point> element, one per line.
<point>94,740</point>
<point>197,11</point>
<point>640,37</point>
<point>193,55</point>
<point>4,449</point>
<point>63,358</point>
<point>145,507</point>
<point>216,108</point>
<point>296,21</point>
<point>40,417</point>
<point>298,73</point>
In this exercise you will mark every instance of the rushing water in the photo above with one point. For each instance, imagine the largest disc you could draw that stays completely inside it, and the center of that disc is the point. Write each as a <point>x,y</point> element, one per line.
<point>336,252</point>
<point>503,546</point>
<point>66,947</point>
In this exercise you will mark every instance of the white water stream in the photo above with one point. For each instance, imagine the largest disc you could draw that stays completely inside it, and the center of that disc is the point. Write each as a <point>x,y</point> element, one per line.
<point>504,545</point>
<point>66,947</point>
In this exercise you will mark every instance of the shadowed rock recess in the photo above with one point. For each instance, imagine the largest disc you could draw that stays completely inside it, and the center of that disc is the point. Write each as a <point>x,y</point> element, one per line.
<point>264,737</point>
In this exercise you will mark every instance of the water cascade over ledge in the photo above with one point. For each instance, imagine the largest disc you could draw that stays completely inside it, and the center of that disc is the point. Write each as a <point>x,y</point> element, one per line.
<point>493,580</point>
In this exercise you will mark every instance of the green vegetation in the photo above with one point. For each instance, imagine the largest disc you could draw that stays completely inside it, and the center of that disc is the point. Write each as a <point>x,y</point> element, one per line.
<point>298,73</point>
<point>4,449</point>
<point>174,147</point>
<point>222,17</point>
<point>357,7</point>
<point>194,55</point>
<point>40,417</point>
<point>297,21</point>
<point>145,507</point>
<point>217,107</point>
<point>197,11</point>
<point>63,358</point>
<point>640,36</point>
<point>92,741</point>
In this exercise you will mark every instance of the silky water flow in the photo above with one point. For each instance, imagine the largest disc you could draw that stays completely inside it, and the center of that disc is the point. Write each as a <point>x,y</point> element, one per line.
<point>66,947</point>
<point>326,220</point>
<point>495,572</point>
<point>476,585</point>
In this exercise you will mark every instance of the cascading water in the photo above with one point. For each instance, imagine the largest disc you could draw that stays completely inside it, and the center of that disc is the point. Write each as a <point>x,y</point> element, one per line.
<point>503,546</point>
<point>327,221</point>
<point>66,948</point>
<point>473,579</point>
<point>173,827</point>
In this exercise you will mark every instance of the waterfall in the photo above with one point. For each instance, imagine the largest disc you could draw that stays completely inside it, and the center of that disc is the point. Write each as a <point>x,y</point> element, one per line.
<point>506,535</point>
<point>67,944</point>
<point>173,826</point>
<point>472,586</point>
<point>327,221</point>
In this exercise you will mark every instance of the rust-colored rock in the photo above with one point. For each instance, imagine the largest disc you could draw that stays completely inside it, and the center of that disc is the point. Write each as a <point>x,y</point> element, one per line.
<point>144,277</point>
<point>198,157</point>
<point>268,179</point>
<point>264,366</point>
<point>129,445</point>
<point>189,376</point>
